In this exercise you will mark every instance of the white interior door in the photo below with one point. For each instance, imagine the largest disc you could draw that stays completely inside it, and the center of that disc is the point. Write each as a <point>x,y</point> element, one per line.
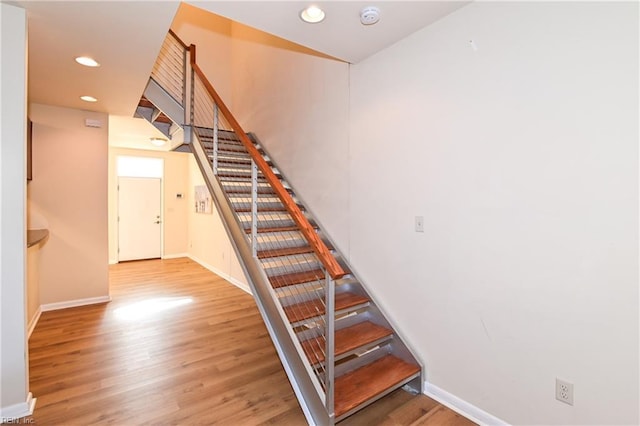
<point>139,218</point>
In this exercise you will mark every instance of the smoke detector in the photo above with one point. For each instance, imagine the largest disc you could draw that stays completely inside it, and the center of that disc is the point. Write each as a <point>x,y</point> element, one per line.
<point>369,15</point>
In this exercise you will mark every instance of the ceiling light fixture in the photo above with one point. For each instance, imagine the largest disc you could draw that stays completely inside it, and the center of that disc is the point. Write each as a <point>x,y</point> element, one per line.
<point>88,98</point>
<point>369,15</point>
<point>312,15</point>
<point>158,141</point>
<point>87,61</point>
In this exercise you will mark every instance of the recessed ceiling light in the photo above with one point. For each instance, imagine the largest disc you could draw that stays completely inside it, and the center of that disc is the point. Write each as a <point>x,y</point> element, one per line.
<point>88,98</point>
<point>312,15</point>
<point>87,61</point>
<point>158,141</point>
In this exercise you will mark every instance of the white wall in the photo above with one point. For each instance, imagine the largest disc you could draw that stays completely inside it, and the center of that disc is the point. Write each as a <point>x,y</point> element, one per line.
<point>211,35</point>
<point>14,384</point>
<point>69,189</point>
<point>522,157</point>
<point>209,244</point>
<point>174,209</point>
<point>296,102</point>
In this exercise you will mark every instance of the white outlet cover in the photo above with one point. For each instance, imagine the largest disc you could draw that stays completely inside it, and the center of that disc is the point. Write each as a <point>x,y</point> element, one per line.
<point>564,391</point>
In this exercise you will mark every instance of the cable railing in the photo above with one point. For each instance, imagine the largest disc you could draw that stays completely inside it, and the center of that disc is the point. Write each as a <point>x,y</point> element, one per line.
<point>170,67</point>
<point>291,269</point>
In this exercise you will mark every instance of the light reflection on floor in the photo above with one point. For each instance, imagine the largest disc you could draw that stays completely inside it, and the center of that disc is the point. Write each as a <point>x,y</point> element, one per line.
<point>149,308</point>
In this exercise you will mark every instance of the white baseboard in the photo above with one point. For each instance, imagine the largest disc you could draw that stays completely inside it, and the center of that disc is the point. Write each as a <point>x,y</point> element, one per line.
<point>113,261</point>
<point>14,412</point>
<point>175,256</point>
<point>75,303</point>
<point>461,406</point>
<point>32,323</point>
<point>242,286</point>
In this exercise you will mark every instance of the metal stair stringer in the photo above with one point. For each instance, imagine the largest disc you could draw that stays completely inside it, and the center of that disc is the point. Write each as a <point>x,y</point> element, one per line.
<point>161,103</point>
<point>297,368</point>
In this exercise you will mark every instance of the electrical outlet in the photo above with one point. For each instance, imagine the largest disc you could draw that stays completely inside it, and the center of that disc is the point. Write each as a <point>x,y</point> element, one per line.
<point>564,391</point>
<point>419,224</point>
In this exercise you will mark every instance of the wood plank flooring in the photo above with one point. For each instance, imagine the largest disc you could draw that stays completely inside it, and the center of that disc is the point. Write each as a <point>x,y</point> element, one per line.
<point>177,345</point>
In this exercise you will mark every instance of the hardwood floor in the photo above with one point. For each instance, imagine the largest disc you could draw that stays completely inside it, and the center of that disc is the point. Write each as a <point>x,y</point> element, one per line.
<point>177,345</point>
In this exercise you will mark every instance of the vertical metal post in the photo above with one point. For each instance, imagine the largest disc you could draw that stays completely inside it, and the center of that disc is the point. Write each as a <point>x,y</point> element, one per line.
<point>330,292</point>
<point>254,209</point>
<point>192,97</point>
<point>215,139</point>
<point>185,77</point>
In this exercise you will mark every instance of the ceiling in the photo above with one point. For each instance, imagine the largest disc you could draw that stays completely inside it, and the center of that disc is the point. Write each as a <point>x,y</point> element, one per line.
<point>125,37</point>
<point>341,34</point>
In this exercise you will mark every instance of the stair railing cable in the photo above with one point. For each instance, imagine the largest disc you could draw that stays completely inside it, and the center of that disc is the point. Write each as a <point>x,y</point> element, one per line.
<point>169,68</point>
<point>293,259</point>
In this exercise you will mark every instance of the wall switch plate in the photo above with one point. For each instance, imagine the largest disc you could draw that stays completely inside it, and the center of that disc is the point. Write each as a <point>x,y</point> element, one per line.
<point>564,391</point>
<point>419,224</point>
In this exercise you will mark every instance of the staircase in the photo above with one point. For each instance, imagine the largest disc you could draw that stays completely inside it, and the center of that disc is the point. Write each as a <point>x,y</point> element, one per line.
<point>338,349</point>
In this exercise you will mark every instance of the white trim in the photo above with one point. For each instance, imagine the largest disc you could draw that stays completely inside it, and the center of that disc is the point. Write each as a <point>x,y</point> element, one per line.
<point>113,261</point>
<point>32,323</point>
<point>461,406</point>
<point>242,286</point>
<point>17,411</point>
<point>176,256</point>
<point>74,303</point>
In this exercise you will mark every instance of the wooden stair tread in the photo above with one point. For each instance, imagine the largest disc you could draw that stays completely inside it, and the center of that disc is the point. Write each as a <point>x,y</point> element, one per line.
<point>280,281</point>
<point>314,308</point>
<point>287,251</point>
<point>361,385</point>
<point>346,340</point>
<point>274,229</point>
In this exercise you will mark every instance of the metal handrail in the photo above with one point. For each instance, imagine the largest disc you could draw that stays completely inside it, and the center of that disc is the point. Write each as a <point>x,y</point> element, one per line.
<point>325,256</point>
